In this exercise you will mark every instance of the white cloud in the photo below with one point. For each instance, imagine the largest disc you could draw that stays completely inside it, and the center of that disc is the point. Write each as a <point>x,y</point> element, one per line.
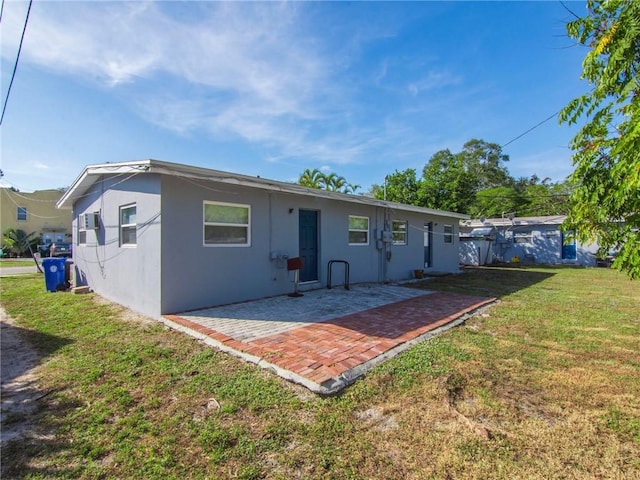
<point>249,71</point>
<point>236,69</point>
<point>434,80</point>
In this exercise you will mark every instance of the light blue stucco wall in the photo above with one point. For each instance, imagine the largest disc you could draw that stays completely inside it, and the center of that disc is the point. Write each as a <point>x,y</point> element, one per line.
<point>129,276</point>
<point>171,270</point>
<point>198,276</point>
<point>545,247</point>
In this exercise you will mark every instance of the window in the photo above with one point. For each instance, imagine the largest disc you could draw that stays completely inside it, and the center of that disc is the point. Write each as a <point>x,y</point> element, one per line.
<point>82,233</point>
<point>399,229</point>
<point>21,213</point>
<point>448,234</point>
<point>522,236</point>
<point>226,224</point>
<point>358,230</point>
<point>127,226</point>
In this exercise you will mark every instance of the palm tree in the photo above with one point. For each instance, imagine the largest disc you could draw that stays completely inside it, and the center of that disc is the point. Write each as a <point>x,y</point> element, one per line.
<point>312,178</point>
<point>18,241</point>
<point>351,188</point>
<point>332,182</point>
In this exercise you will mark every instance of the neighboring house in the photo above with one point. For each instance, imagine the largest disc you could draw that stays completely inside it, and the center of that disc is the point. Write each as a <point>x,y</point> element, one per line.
<point>162,238</point>
<point>522,239</point>
<point>35,212</point>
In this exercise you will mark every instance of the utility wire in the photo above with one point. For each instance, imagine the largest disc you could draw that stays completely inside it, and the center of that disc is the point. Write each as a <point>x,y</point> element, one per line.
<point>531,129</point>
<point>1,11</point>
<point>15,66</point>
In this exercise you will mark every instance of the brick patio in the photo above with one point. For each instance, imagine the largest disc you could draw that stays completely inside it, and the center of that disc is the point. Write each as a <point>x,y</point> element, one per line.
<point>329,354</point>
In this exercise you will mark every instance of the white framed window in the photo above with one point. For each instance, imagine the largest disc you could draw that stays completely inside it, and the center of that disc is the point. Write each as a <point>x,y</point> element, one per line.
<point>358,230</point>
<point>82,232</point>
<point>399,231</point>
<point>82,236</point>
<point>128,226</point>
<point>448,234</point>
<point>226,224</point>
<point>21,214</point>
<point>524,236</point>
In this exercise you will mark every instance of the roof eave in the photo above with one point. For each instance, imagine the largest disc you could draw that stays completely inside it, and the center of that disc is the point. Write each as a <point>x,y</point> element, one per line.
<point>91,173</point>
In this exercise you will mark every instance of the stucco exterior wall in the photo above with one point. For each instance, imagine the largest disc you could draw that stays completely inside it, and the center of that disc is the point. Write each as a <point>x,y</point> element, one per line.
<point>43,217</point>
<point>545,247</point>
<point>128,275</point>
<point>198,276</point>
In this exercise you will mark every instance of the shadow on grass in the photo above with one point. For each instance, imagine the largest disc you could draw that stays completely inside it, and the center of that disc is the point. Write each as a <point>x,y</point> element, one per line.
<point>487,281</point>
<point>22,349</point>
<point>34,453</point>
<point>22,396</point>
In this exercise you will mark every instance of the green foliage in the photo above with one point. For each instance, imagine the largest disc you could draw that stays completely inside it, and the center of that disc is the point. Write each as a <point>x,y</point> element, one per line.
<point>449,182</point>
<point>605,203</point>
<point>492,202</point>
<point>19,242</point>
<point>332,182</point>
<point>401,187</point>
<point>474,181</point>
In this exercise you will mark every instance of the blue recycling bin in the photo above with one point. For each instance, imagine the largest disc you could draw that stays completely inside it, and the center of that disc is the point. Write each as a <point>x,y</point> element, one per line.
<point>54,273</point>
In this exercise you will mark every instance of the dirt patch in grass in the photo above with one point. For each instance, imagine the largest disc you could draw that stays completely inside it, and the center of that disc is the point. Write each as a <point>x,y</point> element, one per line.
<point>20,390</point>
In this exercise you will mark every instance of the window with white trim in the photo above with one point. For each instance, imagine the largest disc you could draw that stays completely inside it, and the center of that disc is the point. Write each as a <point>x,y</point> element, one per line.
<point>226,224</point>
<point>21,214</point>
<point>128,226</point>
<point>448,234</point>
<point>358,230</point>
<point>399,230</point>
<point>523,236</point>
<point>82,233</point>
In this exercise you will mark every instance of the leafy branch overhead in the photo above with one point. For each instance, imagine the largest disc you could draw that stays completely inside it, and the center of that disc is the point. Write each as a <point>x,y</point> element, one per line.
<point>605,203</point>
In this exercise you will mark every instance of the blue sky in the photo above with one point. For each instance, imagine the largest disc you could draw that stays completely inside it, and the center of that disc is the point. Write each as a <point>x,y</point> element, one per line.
<point>360,88</point>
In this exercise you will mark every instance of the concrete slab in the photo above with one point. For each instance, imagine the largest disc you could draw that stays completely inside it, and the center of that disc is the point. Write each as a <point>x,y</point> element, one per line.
<point>327,339</point>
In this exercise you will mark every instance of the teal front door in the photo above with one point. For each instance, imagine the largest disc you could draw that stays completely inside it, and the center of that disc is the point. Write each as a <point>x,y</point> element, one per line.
<point>569,245</point>
<point>308,228</point>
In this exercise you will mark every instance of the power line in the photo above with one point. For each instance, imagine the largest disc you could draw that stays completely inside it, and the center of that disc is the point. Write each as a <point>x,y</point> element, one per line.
<point>1,11</point>
<point>15,66</point>
<point>531,129</point>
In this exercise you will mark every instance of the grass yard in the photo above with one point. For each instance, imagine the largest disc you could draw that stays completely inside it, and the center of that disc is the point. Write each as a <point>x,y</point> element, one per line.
<point>545,384</point>
<point>16,262</point>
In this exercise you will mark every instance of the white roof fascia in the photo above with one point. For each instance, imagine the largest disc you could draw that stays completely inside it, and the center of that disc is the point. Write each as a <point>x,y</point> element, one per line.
<point>91,172</point>
<point>505,222</point>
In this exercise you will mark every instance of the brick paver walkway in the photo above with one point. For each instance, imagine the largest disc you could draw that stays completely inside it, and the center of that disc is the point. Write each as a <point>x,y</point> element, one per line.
<point>327,355</point>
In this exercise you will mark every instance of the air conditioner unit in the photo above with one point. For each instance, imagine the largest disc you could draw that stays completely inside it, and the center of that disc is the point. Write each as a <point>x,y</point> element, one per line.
<point>90,221</point>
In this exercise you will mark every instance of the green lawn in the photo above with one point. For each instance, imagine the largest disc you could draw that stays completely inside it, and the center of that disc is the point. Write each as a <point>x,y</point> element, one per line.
<point>546,384</point>
<point>16,262</point>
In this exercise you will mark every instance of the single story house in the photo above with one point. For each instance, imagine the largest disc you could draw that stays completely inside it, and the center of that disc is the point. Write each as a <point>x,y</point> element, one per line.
<point>162,238</point>
<point>522,239</point>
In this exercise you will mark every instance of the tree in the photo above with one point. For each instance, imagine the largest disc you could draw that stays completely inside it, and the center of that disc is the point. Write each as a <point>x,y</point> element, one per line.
<point>485,161</point>
<point>605,202</point>
<point>401,187</point>
<point>18,242</point>
<point>311,178</point>
<point>332,182</point>
<point>496,201</point>
<point>448,183</point>
<point>542,197</point>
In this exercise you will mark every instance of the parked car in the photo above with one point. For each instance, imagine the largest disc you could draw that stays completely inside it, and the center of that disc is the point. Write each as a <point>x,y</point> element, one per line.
<point>57,249</point>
